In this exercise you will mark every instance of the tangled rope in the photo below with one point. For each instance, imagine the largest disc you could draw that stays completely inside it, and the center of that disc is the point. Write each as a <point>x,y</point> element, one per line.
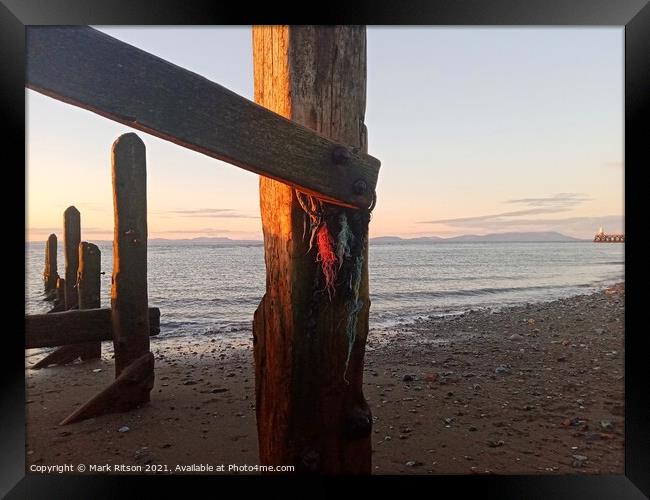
<point>334,253</point>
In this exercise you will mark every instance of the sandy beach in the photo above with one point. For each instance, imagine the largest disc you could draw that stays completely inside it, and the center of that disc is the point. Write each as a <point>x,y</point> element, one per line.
<point>533,389</point>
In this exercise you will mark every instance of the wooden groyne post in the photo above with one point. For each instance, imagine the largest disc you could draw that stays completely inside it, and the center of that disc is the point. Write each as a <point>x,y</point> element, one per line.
<point>88,288</point>
<point>309,350</point>
<point>129,295</point>
<point>72,238</point>
<point>50,274</point>
<point>134,362</point>
<point>59,302</point>
<point>81,286</point>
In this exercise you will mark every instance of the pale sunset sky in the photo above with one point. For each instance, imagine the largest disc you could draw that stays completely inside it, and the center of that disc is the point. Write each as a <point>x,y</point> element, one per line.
<point>479,130</point>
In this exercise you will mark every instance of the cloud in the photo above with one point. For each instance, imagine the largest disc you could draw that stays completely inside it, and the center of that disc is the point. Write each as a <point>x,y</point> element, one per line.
<point>84,206</point>
<point>220,213</point>
<point>556,203</point>
<point>517,220</point>
<point>560,200</point>
<point>91,207</point>
<point>59,230</point>
<point>612,223</point>
<point>580,227</point>
<point>207,230</point>
<point>603,219</point>
<point>479,218</point>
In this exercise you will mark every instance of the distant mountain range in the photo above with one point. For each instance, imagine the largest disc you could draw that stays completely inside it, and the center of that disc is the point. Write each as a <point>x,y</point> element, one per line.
<point>535,237</point>
<point>205,240</point>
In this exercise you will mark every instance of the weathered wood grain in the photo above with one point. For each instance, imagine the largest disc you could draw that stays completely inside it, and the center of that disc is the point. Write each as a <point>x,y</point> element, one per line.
<point>122,395</point>
<point>50,273</point>
<point>86,68</point>
<point>129,296</point>
<point>88,288</point>
<point>73,327</point>
<point>307,414</point>
<point>72,238</point>
<point>59,301</point>
<point>88,285</point>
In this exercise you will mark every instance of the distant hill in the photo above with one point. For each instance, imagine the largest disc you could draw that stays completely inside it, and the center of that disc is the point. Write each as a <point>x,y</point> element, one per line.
<point>538,236</point>
<point>547,236</point>
<point>535,237</point>
<point>205,240</point>
<point>396,239</point>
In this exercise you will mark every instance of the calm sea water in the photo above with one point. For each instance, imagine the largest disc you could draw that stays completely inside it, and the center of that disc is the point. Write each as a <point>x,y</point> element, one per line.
<point>209,289</point>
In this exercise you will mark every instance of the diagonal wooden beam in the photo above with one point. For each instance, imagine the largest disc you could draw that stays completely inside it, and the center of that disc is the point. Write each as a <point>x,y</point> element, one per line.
<point>86,68</point>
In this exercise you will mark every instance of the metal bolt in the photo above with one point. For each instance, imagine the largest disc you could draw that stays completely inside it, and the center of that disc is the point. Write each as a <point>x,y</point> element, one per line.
<point>359,187</point>
<point>340,155</point>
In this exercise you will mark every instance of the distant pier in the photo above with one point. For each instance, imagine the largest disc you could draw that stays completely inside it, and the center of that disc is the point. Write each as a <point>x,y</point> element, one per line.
<point>609,238</point>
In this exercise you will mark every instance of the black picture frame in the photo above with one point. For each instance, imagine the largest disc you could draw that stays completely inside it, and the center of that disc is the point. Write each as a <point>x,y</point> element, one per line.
<point>634,15</point>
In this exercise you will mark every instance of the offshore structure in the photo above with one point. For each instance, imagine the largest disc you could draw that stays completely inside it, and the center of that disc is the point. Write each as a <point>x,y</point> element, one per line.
<point>601,237</point>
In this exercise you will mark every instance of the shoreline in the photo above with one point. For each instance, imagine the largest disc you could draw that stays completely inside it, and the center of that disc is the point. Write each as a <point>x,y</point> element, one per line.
<point>242,333</point>
<point>510,392</point>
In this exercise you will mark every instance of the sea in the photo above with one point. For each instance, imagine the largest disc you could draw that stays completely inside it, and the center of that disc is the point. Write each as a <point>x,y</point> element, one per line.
<point>213,290</point>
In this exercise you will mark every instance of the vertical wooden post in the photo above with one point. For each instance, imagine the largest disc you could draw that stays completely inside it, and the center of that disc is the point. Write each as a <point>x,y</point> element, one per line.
<point>59,301</point>
<point>60,294</point>
<point>311,410</point>
<point>129,300</point>
<point>72,238</point>
<point>134,362</point>
<point>88,287</point>
<point>50,274</point>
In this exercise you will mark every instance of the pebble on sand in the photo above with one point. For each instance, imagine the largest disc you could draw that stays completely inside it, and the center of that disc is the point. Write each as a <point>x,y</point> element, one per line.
<point>502,369</point>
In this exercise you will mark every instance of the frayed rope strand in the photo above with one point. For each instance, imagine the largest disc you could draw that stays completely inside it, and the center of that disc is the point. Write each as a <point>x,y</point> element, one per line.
<point>344,240</point>
<point>354,306</point>
<point>332,254</point>
<point>327,257</point>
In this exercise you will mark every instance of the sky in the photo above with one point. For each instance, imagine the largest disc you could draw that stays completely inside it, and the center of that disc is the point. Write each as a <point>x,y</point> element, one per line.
<point>479,130</point>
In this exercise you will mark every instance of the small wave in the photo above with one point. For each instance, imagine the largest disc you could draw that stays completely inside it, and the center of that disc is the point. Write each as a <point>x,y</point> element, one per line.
<point>472,292</point>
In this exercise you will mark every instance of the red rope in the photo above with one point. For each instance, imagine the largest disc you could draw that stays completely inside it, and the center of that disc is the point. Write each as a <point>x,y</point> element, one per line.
<point>327,257</point>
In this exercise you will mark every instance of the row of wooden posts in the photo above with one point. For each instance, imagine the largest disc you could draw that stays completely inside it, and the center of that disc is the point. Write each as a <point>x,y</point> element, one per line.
<point>76,323</point>
<point>80,289</point>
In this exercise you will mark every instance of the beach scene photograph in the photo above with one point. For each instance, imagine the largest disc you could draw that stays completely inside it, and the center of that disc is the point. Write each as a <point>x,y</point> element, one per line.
<point>339,250</point>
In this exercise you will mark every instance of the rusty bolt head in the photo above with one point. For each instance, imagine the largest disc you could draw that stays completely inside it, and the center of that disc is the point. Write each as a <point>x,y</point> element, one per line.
<point>340,155</point>
<point>360,187</point>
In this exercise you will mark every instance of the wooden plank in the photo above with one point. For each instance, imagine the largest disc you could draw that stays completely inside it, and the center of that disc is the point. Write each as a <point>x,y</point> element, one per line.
<point>72,327</point>
<point>86,68</point>
<point>311,411</point>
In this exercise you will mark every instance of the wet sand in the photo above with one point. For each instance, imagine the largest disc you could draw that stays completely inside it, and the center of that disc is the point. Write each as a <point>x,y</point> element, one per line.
<point>534,389</point>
